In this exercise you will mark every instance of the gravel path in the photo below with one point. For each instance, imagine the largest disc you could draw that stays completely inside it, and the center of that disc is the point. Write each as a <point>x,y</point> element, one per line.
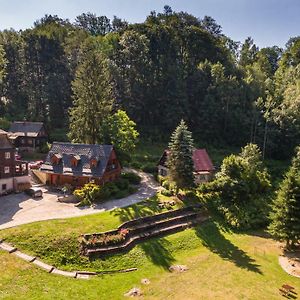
<point>20,209</point>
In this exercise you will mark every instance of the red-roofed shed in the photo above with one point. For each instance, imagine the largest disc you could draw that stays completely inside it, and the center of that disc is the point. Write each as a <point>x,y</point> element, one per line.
<point>203,167</point>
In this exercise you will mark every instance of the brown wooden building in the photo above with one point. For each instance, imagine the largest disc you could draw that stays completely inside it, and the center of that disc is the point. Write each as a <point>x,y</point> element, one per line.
<point>13,173</point>
<point>203,167</point>
<point>28,135</point>
<point>77,164</point>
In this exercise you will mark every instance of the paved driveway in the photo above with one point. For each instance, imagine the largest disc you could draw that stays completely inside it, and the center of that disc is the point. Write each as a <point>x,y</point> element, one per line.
<point>20,209</point>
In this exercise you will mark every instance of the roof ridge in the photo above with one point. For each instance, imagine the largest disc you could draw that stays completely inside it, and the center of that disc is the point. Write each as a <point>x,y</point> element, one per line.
<point>80,144</point>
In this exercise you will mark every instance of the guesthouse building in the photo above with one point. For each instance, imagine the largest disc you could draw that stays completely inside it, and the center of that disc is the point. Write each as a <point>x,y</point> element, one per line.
<point>13,173</point>
<point>28,135</point>
<point>77,164</point>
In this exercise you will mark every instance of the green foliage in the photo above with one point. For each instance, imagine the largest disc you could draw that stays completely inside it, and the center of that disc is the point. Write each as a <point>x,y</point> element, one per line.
<point>180,160</point>
<point>285,215</point>
<point>90,193</point>
<point>45,148</point>
<point>4,124</point>
<point>166,192</point>
<point>120,131</point>
<point>241,189</point>
<point>229,95</point>
<point>93,97</point>
<point>132,178</point>
<point>3,64</point>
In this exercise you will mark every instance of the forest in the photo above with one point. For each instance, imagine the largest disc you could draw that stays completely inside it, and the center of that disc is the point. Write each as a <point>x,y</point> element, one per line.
<point>173,66</point>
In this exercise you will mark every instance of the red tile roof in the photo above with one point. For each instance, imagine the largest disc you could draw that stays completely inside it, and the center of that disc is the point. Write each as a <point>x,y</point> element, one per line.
<point>202,161</point>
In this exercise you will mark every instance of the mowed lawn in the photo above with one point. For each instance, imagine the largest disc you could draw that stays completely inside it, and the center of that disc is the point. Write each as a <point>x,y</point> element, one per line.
<point>222,264</point>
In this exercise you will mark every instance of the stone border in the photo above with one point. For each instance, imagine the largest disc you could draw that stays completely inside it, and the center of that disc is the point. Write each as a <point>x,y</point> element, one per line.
<point>50,269</point>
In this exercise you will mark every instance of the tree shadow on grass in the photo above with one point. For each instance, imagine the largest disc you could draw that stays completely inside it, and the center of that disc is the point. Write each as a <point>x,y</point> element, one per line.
<point>157,251</point>
<point>213,239</point>
<point>143,209</point>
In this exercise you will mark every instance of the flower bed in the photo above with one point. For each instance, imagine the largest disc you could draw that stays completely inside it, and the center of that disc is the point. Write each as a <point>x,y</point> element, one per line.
<point>106,239</point>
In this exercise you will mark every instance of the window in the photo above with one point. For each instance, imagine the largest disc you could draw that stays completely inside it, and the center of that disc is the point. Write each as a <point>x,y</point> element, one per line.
<point>202,177</point>
<point>22,141</point>
<point>30,141</point>
<point>3,187</point>
<point>6,170</point>
<point>7,155</point>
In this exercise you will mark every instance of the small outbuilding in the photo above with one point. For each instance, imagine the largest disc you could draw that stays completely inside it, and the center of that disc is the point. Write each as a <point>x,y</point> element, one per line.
<point>77,164</point>
<point>203,167</point>
<point>28,135</point>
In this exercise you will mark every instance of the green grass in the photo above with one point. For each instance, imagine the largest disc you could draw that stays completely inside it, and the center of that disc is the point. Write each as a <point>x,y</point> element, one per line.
<point>222,264</point>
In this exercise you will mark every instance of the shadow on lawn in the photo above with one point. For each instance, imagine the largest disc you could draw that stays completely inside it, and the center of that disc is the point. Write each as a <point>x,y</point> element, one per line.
<point>213,239</point>
<point>157,251</point>
<point>142,209</point>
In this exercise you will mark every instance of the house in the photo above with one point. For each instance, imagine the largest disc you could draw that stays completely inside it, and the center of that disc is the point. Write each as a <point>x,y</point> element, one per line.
<point>13,174</point>
<point>28,135</point>
<point>77,164</point>
<point>203,167</point>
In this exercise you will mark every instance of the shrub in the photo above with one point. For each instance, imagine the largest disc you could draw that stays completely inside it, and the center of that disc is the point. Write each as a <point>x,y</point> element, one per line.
<point>122,184</point>
<point>191,196</point>
<point>166,193</point>
<point>136,165</point>
<point>149,168</point>
<point>111,189</point>
<point>4,124</point>
<point>91,193</point>
<point>166,184</point>
<point>45,148</point>
<point>131,177</point>
<point>121,194</point>
<point>161,179</point>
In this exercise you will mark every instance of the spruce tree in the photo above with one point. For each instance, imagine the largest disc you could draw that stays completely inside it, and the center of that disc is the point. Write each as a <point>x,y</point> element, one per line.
<point>285,217</point>
<point>92,95</point>
<point>180,158</point>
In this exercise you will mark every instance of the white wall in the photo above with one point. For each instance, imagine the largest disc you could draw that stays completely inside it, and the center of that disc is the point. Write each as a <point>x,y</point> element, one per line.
<point>9,185</point>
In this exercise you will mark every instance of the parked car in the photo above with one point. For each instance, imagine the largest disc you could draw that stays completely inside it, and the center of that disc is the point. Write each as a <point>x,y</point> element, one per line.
<point>34,192</point>
<point>17,156</point>
<point>35,164</point>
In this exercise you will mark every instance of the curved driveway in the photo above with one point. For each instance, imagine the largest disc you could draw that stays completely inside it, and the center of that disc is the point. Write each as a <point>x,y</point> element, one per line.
<point>17,209</point>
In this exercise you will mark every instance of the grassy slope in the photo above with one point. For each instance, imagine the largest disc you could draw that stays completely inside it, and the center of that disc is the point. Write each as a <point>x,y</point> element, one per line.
<point>222,264</point>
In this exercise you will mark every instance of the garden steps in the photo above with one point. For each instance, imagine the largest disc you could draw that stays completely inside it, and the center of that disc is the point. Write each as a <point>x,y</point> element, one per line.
<point>181,221</point>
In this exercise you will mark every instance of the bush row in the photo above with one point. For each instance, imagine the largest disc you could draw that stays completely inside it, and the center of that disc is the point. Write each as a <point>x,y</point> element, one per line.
<point>93,193</point>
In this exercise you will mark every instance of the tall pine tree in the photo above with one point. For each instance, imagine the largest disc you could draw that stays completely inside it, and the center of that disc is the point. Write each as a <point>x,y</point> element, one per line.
<point>285,224</point>
<point>93,97</point>
<point>180,159</point>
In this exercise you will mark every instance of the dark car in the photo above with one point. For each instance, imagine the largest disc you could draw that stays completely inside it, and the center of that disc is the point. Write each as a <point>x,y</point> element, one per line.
<point>34,192</point>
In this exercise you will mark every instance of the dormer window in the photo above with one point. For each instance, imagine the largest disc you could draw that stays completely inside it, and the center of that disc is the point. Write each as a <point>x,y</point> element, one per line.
<point>56,158</point>
<point>93,163</point>
<point>75,160</point>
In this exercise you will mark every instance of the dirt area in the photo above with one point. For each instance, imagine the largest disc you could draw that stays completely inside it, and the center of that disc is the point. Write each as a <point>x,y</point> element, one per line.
<point>290,262</point>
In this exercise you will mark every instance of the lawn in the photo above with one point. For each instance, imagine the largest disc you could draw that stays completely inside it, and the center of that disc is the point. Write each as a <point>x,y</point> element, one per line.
<point>222,264</point>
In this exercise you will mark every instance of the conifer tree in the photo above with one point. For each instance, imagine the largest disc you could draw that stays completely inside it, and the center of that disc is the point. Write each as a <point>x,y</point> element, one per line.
<point>285,217</point>
<point>93,98</point>
<point>180,159</point>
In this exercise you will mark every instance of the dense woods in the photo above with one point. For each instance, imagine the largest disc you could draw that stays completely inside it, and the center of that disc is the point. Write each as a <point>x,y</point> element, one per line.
<point>172,66</point>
